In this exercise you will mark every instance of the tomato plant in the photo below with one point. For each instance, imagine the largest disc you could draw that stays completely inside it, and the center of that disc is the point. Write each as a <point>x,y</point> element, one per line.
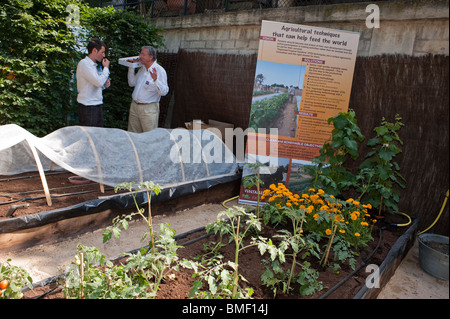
<point>12,280</point>
<point>4,284</point>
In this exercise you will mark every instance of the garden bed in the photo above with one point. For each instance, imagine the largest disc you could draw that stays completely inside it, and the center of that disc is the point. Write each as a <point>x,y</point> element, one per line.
<point>390,250</point>
<point>79,208</point>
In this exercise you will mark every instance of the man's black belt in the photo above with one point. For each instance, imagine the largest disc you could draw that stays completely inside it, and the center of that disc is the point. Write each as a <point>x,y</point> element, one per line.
<point>90,105</point>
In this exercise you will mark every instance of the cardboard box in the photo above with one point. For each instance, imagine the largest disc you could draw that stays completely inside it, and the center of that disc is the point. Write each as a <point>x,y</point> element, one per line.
<point>198,124</point>
<point>125,62</point>
<point>221,126</point>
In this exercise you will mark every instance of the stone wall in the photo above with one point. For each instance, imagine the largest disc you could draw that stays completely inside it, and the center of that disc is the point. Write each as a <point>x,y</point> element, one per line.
<point>406,27</point>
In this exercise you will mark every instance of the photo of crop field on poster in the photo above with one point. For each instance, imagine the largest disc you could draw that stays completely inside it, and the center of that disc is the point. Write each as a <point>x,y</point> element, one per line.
<point>303,77</point>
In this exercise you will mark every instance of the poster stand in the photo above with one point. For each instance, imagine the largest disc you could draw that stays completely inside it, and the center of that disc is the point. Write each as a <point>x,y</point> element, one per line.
<point>303,77</point>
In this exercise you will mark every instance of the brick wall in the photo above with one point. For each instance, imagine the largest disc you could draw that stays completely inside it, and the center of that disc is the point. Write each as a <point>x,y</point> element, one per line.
<point>406,27</point>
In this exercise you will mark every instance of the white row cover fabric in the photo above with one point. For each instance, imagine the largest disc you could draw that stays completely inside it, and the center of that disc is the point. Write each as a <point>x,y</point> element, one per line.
<point>112,156</point>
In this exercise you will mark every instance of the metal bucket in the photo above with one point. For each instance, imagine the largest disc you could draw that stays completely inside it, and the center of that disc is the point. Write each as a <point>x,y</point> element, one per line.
<point>432,261</point>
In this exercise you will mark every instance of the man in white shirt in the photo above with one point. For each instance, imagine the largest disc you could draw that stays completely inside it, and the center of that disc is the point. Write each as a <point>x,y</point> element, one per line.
<point>90,84</point>
<point>150,83</point>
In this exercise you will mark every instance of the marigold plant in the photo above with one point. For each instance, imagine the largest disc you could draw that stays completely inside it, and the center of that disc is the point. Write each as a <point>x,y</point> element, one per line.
<point>325,214</point>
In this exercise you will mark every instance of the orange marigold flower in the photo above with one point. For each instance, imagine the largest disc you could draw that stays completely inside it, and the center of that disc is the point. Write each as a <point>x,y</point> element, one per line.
<point>328,232</point>
<point>342,231</point>
<point>357,234</point>
<point>364,224</point>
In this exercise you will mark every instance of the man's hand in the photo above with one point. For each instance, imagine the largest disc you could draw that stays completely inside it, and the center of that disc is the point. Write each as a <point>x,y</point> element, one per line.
<point>153,74</point>
<point>108,83</point>
<point>105,63</point>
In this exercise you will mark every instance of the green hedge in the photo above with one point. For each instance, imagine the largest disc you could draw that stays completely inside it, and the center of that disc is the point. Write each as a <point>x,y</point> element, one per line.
<point>39,53</point>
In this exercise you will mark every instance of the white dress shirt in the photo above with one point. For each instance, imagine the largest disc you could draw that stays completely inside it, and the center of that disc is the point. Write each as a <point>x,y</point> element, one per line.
<point>90,82</point>
<point>145,89</point>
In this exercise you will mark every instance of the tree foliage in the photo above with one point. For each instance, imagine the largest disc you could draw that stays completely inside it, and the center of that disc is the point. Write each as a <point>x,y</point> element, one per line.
<point>37,56</point>
<point>39,52</point>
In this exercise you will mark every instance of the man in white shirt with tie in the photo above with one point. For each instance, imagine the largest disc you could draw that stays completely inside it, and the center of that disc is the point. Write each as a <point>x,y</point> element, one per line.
<point>90,84</point>
<point>150,83</point>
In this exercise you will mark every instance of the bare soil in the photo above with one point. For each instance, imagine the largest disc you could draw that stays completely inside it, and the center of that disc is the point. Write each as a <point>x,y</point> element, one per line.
<point>285,120</point>
<point>26,190</point>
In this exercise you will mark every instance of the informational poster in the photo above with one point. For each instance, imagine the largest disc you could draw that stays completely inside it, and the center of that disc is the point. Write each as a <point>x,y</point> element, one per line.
<point>303,77</point>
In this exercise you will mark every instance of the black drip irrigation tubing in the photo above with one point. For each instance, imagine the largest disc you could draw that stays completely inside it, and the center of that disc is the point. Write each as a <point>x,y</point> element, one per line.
<point>397,246</point>
<point>118,201</point>
<point>51,195</point>
<point>362,264</point>
<point>30,176</point>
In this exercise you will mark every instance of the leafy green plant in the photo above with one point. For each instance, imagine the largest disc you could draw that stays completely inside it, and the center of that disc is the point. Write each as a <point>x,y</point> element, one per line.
<point>122,221</point>
<point>12,280</point>
<point>379,174</point>
<point>254,180</point>
<point>142,273</point>
<point>221,279</point>
<point>328,170</point>
<point>90,276</point>
<point>222,283</point>
<point>275,275</point>
<point>140,276</point>
<point>156,265</point>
